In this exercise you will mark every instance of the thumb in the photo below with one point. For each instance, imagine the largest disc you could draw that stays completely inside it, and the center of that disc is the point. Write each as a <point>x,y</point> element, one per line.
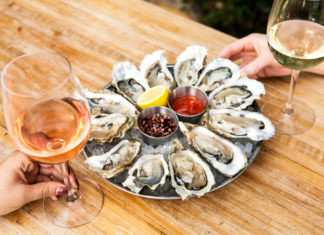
<point>251,69</point>
<point>45,189</point>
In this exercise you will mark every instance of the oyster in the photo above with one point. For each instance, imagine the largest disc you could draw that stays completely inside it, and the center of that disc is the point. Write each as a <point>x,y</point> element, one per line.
<point>226,157</point>
<point>109,102</point>
<point>190,175</point>
<point>239,124</point>
<point>237,94</point>
<point>129,81</point>
<point>106,127</point>
<point>149,170</point>
<point>189,64</point>
<point>116,160</point>
<point>218,72</point>
<point>154,68</point>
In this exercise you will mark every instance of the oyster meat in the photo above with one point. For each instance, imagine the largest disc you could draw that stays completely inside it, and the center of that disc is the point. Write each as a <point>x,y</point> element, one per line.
<point>129,81</point>
<point>189,65</point>
<point>239,124</point>
<point>190,175</point>
<point>237,94</point>
<point>226,157</point>
<point>107,127</point>
<point>116,160</point>
<point>154,68</point>
<point>218,72</point>
<point>149,170</point>
<point>105,101</point>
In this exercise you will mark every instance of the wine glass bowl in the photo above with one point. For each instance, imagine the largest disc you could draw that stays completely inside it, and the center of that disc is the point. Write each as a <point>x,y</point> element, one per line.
<point>41,114</point>
<point>296,39</point>
<point>47,117</point>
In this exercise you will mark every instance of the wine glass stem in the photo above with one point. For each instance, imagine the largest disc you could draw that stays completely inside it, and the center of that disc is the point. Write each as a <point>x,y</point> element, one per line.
<point>289,109</point>
<point>72,194</point>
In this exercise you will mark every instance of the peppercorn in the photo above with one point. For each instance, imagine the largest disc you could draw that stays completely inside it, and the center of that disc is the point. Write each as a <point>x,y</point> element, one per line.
<point>158,125</point>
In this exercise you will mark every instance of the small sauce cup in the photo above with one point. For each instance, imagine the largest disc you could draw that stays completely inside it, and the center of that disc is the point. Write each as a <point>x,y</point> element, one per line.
<point>188,91</point>
<point>157,110</point>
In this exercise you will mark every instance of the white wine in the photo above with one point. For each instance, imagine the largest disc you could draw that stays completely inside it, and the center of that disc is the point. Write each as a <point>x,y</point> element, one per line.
<point>297,44</point>
<point>54,130</point>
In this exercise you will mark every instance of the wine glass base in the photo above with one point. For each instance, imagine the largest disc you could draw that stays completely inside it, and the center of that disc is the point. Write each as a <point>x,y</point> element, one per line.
<point>79,212</point>
<point>289,122</point>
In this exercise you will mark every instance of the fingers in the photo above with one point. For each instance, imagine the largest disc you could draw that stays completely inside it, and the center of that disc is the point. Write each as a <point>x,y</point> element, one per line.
<point>42,178</point>
<point>243,44</point>
<point>51,171</point>
<point>250,70</point>
<point>60,173</point>
<point>245,55</point>
<point>68,175</point>
<point>73,179</point>
<point>20,160</point>
<point>45,189</point>
<point>19,164</point>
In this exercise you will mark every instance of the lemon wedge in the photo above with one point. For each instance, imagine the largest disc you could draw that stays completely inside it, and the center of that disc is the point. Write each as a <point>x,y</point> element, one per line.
<point>156,96</point>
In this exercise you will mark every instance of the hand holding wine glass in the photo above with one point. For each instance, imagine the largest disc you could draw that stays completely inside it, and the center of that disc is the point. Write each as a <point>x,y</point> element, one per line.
<point>296,39</point>
<point>23,180</point>
<point>257,60</point>
<point>47,118</point>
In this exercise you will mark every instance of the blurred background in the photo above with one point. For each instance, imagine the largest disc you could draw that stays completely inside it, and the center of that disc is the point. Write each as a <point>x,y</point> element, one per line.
<point>235,17</point>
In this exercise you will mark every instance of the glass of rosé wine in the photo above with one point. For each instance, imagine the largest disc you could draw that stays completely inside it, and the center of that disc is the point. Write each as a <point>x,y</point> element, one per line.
<point>47,118</point>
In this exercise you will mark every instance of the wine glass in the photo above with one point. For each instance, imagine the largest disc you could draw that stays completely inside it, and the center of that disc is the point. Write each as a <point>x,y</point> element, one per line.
<point>296,38</point>
<point>47,118</point>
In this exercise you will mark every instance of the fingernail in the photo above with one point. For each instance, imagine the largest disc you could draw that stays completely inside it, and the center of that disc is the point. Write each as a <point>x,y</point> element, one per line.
<point>62,191</point>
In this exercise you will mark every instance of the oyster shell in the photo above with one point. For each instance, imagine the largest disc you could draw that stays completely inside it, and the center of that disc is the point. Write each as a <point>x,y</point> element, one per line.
<point>226,157</point>
<point>149,170</point>
<point>189,64</point>
<point>237,94</point>
<point>107,127</point>
<point>116,160</point>
<point>239,124</point>
<point>190,175</point>
<point>105,101</point>
<point>218,72</point>
<point>154,68</point>
<point>129,81</point>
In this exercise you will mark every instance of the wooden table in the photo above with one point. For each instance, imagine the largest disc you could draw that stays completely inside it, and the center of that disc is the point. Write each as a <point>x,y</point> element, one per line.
<point>281,192</point>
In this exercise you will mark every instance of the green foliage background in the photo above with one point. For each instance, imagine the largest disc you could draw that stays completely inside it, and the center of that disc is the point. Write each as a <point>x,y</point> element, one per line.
<point>235,17</point>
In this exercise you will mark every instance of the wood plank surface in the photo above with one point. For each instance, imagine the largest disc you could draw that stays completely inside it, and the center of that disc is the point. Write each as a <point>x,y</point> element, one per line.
<point>281,192</point>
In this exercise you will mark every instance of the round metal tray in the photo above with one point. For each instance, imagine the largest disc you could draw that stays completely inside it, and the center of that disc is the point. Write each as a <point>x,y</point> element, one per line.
<point>167,192</point>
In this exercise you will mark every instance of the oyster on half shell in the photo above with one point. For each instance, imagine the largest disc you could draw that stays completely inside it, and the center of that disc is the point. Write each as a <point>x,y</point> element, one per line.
<point>237,94</point>
<point>149,170</point>
<point>218,72</point>
<point>116,160</point>
<point>154,68</point>
<point>190,175</point>
<point>189,65</point>
<point>129,81</point>
<point>239,124</point>
<point>107,127</point>
<point>226,157</point>
<point>105,101</point>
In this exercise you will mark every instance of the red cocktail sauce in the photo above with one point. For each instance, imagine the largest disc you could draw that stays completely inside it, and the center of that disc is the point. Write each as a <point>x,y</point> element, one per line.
<point>188,105</point>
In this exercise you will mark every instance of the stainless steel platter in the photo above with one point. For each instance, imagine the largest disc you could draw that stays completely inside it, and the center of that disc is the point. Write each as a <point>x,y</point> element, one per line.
<point>166,192</point>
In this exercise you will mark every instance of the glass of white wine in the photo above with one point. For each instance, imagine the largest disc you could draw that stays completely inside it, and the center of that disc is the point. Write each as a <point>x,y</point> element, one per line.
<point>47,118</point>
<point>296,39</point>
